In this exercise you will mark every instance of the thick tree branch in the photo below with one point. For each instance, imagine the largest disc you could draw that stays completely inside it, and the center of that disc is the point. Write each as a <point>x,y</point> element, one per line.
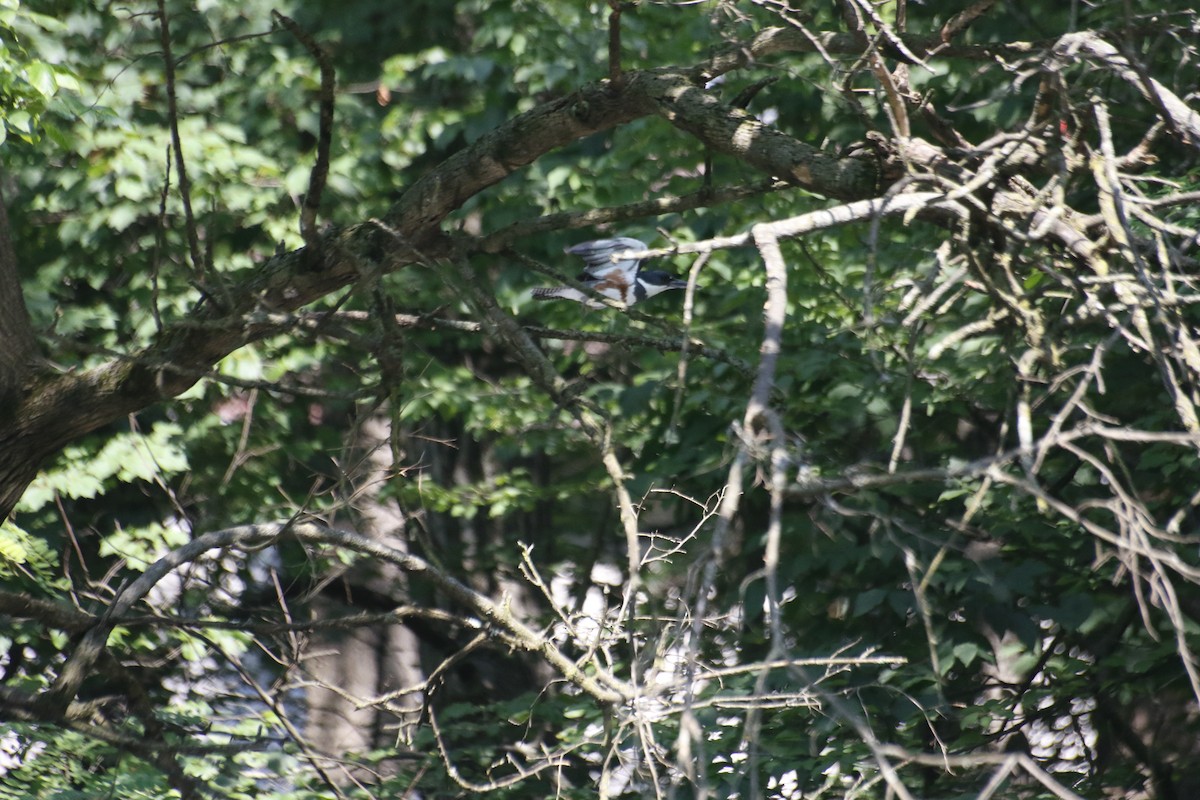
<point>15,605</point>
<point>677,97</point>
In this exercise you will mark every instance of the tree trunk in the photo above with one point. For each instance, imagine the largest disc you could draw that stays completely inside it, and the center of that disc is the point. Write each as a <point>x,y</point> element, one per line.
<point>17,342</point>
<point>365,663</point>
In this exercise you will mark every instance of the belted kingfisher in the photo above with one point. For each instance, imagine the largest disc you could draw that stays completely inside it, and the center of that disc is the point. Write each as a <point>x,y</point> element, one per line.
<point>624,281</point>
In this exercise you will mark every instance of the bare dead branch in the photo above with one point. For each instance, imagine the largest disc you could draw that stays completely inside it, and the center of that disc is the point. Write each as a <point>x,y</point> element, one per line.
<point>946,761</point>
<point>1182,118</point>
<point>605,688</point>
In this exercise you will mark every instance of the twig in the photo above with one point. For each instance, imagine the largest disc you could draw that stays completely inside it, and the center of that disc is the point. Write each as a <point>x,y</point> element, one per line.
<point>185,186</point>
<point>614,41</point>
<point>657,206</point>
<point>320,170</point>
<point>685,340</point>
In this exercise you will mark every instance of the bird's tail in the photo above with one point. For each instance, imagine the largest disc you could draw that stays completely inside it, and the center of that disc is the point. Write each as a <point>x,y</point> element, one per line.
<point>565,293</point>
<point>555,293</point>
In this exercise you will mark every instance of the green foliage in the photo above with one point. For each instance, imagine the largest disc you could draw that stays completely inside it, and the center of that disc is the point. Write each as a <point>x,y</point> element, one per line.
<point>123,458</point>
<point>69,766</point>
<point>24,555</point>
<point>37,92</point>
<point>1005,620</point>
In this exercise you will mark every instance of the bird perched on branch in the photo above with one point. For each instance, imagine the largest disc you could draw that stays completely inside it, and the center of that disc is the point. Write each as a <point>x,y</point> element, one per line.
<point>606,273</point>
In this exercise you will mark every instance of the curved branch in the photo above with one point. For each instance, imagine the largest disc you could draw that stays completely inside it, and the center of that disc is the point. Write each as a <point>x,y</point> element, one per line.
<point>604,687</point>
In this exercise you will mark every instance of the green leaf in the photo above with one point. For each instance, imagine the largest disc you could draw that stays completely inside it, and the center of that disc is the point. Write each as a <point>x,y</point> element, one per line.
<point>965,653</point>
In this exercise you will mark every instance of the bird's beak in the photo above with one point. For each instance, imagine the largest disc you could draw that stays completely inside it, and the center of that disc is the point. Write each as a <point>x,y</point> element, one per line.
<point>676,283</point>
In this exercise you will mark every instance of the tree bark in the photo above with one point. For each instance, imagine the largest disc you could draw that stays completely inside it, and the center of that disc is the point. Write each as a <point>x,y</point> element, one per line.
<point>18,345</point>
<point>366,662</point>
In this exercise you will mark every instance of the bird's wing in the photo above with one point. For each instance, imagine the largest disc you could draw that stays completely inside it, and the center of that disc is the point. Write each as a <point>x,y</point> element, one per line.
<point>598,261</point>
